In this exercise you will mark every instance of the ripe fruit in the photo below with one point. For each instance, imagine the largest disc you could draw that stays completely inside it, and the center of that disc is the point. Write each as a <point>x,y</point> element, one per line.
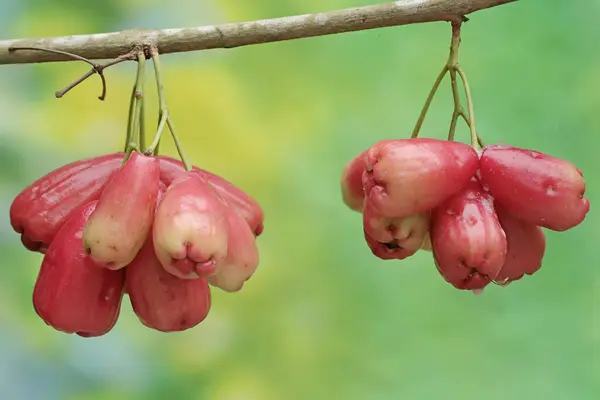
<point>118,227</point>
<point>353,193</point>
<point>409,176</point>
<point>468,243</point>
<point>406,233</point>
<point>526,244</point>
<point>40,210</point>
<point>190,228</point>
<point>71,294</point>
<point>240,201</point>
<point>242,256</point>
<point>162,301</point>
<point>386,251</point>
<point>535,187</point>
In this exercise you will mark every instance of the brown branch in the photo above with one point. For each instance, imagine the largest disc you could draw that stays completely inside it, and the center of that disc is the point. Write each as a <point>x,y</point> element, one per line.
<point>114,44</point>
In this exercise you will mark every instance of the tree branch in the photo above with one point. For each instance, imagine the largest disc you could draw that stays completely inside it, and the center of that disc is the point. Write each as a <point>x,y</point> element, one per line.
<point>114,44</point>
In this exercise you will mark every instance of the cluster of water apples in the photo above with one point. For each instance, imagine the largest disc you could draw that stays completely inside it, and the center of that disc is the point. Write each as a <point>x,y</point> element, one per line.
<point>481,213</point>
<point>145,227</point>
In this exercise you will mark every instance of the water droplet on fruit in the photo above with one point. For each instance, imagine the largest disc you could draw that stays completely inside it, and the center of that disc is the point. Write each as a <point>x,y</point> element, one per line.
<point>504,282</point>
<point>450,212</point>
<point>486,188</point>
<point>477,292</point>
<point>478,174</point>
<point>551,191</point>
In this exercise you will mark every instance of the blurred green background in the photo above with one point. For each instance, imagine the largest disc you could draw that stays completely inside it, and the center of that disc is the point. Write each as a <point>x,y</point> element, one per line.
<point>322,318</point>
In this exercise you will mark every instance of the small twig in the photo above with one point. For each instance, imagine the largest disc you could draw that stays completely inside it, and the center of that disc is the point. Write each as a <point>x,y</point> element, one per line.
<point>136,133</point>
<point>64,53</point>
<point>452,65</point>
<point>130,113</point>
<point>475,139</point>
<point>458,111</point>
<point>164,116</point>
<point>428,101</point>
<point>96,68</point>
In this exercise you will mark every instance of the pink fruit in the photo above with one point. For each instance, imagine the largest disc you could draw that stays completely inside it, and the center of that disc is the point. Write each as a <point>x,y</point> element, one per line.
<point>162,301</point>
<point>120,224</point>
<point>406,233</point>
<point>40,210</point>
<point>242,256</point>
<point>190,228</point>
<point>469,245</point>
<point>387,251</point>
<point>71,294</point>
<point>526,244</point>
<point>535,187</point>
<point>241,202</point>
<point>409,176</point>
<point>353,193</point>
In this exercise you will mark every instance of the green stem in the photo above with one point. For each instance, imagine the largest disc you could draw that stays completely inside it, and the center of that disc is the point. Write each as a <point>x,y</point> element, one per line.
<point>457,107</point>
<point>186,163</point>
<point>129,134</point>
<point>156,148</point>
<point>451,64</point>
<point>455,68</point>
<point>163,112</point>
<point>475,139</point>
<point>164,116</point>
<point>428,101</point>
<point>143,124</point>
<point>155,142</point>
<point>130,148</point>
<point>139,95</point>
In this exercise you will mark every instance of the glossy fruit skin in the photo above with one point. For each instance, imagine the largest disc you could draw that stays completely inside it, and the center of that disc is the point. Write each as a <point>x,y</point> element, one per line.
<point>242,256</point>
<point>190,229</point>
<point>468,243</point>
<point>353,193</point>
<point>244,204</point>
<point>407,232</point>
<point>162,301</point>
<point>408,176</point>
<point>121,222</point>
<point>71,294</point>
<point>40,210</point>
<point>535,187</point>
<point>526,245</point>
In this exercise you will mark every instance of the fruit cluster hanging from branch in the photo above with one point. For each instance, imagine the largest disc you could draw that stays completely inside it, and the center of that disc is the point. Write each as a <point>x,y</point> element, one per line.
<point>154,227</point>
<point>480,211</point>
<point>163,231</point>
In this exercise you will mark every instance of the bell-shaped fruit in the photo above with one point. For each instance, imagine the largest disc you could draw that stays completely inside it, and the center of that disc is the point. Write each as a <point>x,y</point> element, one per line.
<point>40,210</point>
<point>240,201</point>
<point>535,187</point>
<point>469,245</point>
<point>190,228</point>
<point>409,176</point>
<point>242,256</point>
<point>162,301</point>
<point>353,193</point>
<point>120,224</point>
<point>387,251</point>
<point>72,294</point>
<point>406,233</point>
<point>526,244</point>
